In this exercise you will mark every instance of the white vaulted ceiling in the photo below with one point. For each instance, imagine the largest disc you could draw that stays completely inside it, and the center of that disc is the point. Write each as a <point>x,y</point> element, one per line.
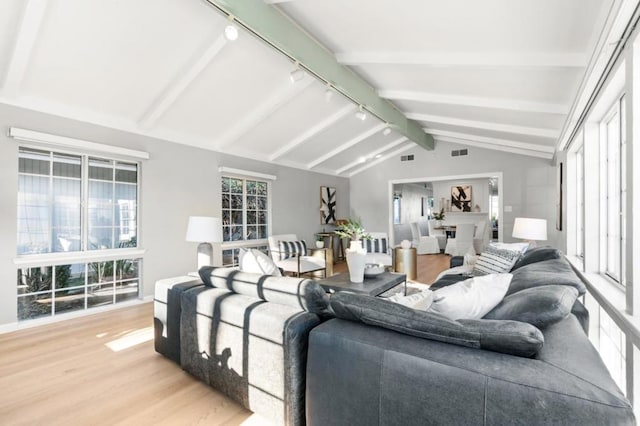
<point>496,74</point>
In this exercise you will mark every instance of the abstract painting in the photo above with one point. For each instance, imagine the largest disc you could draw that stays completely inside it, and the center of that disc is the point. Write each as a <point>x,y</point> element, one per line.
<point>461,198</point>
<point>327,205</point>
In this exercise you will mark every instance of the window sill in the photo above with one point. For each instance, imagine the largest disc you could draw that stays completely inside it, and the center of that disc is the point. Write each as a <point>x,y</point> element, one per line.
<point>63,258</point>
<point>611,298</point>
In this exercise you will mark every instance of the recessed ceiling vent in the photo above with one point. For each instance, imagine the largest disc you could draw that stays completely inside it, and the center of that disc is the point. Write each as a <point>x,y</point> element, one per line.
<point>406,157</point>
<point>459,152</point>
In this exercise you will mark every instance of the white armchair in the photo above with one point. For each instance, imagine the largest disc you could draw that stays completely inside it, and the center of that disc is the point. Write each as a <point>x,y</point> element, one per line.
<point>423,244</point>
<point>294,262</point>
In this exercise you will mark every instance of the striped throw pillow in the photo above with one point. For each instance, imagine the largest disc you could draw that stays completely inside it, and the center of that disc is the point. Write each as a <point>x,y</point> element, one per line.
<point>292,248</point>
<point>495,261</point>
<point>378,245</point>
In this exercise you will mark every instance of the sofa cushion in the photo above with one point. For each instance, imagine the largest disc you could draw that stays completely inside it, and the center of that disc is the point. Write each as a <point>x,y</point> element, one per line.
<point>471,298</point>
<point>539,306</point>
<point>297,292</point>
<point>510,337</point>
<point>546,272</point>
<point>257,262</point>
<point>537,254</point>
<point>495,261</point>
<point>289,249</point>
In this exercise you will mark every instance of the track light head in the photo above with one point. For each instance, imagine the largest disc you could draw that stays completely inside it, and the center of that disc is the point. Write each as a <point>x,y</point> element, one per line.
<point>386,131</point>
<point>361,114</point>
<point>231,30</point>
<point>328,93</point>
<point>297,74</point>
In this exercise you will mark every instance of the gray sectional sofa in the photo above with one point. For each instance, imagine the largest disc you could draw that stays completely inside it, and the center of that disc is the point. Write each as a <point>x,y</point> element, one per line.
<point>281,348</point>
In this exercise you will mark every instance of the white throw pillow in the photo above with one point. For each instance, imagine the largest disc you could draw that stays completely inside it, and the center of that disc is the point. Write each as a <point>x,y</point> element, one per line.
<point>257,262</point>
<point>472,298</point>
<point>495,261</point>
<point>420,301</point>
<point>519,247</point>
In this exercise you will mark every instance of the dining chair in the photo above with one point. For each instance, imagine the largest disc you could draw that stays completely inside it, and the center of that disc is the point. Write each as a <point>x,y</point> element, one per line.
<point>463,242</point>
<point>438,233</point>
<point>423,244</point>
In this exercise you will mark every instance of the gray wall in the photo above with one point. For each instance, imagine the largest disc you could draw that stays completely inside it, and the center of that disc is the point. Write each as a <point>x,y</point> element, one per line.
<point>176,182</point>
<point>529,184</point>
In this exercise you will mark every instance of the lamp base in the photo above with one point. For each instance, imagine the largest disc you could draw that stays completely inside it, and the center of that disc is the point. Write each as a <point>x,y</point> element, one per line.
<point>205,255</point>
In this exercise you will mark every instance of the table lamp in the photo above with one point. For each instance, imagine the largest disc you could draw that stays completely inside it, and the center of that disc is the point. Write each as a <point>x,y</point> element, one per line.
<point>204,230</point>
<point>530,230</point>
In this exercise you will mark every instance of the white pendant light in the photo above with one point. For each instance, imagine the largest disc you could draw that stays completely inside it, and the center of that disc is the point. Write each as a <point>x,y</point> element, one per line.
<point>361,114</point>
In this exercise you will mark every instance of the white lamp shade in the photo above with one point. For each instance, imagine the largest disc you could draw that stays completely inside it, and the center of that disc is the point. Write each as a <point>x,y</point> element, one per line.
<point>530,229</point>
<point>204,229</point>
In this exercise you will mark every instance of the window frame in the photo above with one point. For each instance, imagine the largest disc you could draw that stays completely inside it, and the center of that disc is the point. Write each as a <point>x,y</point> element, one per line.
<point>233,244</point>
<point>84,254</point>
<point>615,112</point>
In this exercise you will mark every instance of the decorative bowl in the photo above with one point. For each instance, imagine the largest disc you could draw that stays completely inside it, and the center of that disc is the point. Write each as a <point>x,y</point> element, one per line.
<point>372,270</point>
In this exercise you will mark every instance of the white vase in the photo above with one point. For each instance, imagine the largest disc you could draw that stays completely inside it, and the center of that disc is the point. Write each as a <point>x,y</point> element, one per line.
<point>356,255</point>
<point>319,244</point>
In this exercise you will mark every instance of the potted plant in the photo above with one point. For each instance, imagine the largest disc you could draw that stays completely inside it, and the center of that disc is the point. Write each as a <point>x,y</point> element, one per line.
<point>353,230</point>
<point>355,254</point>
<point>439,216</point>
<point>319,241</point>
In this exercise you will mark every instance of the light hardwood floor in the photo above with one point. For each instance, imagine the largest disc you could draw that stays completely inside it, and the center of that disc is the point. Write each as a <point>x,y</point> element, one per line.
<point>103,370</point>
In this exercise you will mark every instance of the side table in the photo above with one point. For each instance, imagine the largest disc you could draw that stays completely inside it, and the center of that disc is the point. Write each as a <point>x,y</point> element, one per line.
<point>327,254</point>
<point>406,261</point>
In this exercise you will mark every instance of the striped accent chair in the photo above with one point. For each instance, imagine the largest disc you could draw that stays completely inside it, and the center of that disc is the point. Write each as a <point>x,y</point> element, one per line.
<point>378,249</point>
<point>292,255</point>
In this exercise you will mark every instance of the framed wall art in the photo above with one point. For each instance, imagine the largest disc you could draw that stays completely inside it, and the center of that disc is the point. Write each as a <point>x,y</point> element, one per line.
<point>327,205</point>
<point>461,198</point>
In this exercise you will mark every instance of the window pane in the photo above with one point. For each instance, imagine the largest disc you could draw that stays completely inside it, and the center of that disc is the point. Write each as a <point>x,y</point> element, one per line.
<point>100,215</point>
<point>244,205</point>
<point>100,295</point>
<point>34,306</point>
<point>66,216</point>
<point>33,214</point>
<point>100,272</point>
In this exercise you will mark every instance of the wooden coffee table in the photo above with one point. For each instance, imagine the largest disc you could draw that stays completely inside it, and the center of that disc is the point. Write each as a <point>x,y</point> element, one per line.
<point>370,286</point>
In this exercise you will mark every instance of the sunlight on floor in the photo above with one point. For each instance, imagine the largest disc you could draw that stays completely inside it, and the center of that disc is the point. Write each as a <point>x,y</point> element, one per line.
<point>256,420</point>
<point>131,339</point>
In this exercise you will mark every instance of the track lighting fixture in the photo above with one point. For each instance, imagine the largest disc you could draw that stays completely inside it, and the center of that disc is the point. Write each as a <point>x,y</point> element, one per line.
<point>361,114</point>
<point>297,74</point>
<point>386,130</point>
<point>328,93</point>
<point>231,30</point>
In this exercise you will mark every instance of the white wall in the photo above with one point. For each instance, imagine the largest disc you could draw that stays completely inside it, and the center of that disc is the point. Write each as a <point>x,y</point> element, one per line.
<point>176,182</point>
<point>528,183</point>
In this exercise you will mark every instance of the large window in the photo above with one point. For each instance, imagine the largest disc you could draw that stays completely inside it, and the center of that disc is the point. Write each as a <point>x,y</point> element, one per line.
<point>245,214</point>
<point>74,204</point>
